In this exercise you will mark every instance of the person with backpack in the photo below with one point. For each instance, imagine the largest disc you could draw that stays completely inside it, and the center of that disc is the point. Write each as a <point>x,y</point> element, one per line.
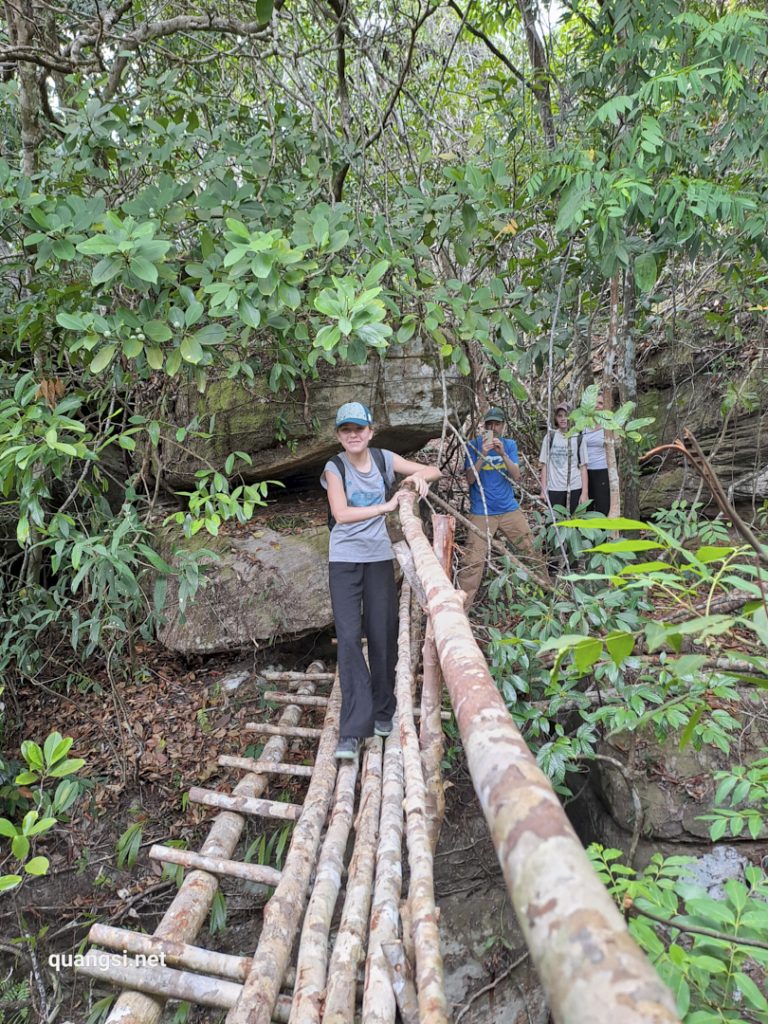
<point>597,466</point>
<point>491,469</point>
<point>563,463</point>
<point>359,481</point>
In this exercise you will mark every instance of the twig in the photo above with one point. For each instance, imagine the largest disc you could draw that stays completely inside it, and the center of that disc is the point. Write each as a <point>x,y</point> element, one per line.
<point>695,929</point>
<point>491,985</point>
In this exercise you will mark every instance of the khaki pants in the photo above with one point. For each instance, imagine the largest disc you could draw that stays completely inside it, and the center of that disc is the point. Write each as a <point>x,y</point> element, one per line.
<point>515,528</point>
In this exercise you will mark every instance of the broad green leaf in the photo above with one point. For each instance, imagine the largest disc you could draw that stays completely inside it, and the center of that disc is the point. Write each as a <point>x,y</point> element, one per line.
<point>9,882</point>
<point>620,645</point>
<point>7,828</point>
<point>238,228</point>
<point>211,334</point>
<point>37,866</point>
<point>586,654</point>
<point>249,314</point>
<point>156,330</point>
<point>154,357</point>
<point>638,568</point>
<point>607,524</point>
<point>264,10</point>
<point>707,553</point>
<point>143,269</point>
<point>627,545</point>
<point>191,350</point>
<point>20,847</point>
<point>98,245</point>
<point>71,321</point>
<point>103,358</point>
<point>645,272</point>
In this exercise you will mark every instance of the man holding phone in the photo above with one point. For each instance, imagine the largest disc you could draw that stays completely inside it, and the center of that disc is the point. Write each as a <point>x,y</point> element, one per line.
<point>491,468</point>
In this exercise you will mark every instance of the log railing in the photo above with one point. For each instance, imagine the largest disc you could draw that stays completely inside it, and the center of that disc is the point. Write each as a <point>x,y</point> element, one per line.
<point>591,969</point>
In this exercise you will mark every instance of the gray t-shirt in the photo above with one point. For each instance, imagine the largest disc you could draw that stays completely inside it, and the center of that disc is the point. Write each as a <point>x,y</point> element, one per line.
<point>367,541</point>
<point>595,440</point>
<point>559,454</point>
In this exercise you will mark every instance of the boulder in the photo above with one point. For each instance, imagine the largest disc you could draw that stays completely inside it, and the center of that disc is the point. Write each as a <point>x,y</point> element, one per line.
<point>260,585</point>
<point>292,433</point>
<point>676,787</point>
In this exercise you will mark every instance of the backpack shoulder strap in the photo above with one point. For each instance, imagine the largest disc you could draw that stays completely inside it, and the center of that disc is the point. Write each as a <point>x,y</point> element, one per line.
<point>381,464</point>
<point>339,464</point>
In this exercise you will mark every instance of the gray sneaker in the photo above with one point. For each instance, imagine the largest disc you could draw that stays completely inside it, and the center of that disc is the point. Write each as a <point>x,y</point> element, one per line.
<point>347,748</point>
<point>382,728</point>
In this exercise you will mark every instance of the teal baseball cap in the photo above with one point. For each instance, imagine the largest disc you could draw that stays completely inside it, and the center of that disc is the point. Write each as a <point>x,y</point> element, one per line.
<point>354,412</point>
<point>494,415</point>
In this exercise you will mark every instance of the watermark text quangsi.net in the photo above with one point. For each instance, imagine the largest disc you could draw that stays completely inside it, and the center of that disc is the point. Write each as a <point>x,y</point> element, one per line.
<point>102,961</point>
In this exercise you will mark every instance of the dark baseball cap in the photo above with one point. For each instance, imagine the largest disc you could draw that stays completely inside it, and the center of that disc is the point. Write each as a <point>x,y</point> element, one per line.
<point>494,415</point>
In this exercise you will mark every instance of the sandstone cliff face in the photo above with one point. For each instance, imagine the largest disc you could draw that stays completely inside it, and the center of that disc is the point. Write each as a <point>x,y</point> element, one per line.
<point>292,433</point>
<point>693,385</point>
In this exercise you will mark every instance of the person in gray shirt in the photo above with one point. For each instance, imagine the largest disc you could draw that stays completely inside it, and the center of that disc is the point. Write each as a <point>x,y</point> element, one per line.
<point>361,573</point>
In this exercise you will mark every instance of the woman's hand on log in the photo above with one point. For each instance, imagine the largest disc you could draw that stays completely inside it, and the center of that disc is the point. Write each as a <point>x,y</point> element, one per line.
<point>417,483</point>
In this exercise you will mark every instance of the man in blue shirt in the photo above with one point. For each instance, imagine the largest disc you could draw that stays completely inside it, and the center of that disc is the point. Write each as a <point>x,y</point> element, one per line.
<point>491,469</point>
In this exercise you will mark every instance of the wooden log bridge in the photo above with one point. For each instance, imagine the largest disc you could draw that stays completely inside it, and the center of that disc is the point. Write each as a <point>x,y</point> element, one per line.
<point>340,942</point>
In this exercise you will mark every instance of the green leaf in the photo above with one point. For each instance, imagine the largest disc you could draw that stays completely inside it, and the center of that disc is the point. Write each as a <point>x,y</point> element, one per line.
<point>249,314</point>
<point>63,249</point>
<point>211,334</point>
<point>9,882</point>
<point>607,524</point>
<point>103,358</point>
<point>620,645</point>
<point>586,654</point>
<point>191,350</point>
<point>156,330</point>
<point>753,997</point>
<point>264,10</point>
<point>645,272</point>
<point>132,347</point>
<point>643,567</point>
<point>627,545</point>
<point>7,828</point>
<point>71,321</point>
<point>99,245</point>
<point>143,269</point>
<point>20,847</point>
<point>238,228</point>
<point>154,357</point>
<point>37,866</point>
<point>105,270</point>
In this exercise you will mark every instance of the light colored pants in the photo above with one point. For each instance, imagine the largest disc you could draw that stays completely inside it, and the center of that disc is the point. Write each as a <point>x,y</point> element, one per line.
<point>515,528</point>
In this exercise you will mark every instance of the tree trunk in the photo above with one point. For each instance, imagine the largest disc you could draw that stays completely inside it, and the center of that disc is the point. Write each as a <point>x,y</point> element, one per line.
<point>627,374</point>
<point>540,66</point>
<point>609,380</point>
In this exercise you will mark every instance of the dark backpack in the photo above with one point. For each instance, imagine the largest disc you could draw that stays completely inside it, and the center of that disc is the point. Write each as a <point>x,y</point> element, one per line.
<point>378,458</point>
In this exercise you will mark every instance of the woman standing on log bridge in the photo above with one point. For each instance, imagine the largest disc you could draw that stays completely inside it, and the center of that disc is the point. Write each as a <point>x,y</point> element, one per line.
<point>361,573</point>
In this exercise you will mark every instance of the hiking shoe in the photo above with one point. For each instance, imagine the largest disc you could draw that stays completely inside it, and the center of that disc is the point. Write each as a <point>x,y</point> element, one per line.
<point>347,748</point>
<point>383,728</point>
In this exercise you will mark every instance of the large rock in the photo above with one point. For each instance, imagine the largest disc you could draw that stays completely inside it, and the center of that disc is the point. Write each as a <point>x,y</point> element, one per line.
<point>291,433</point>
<point>685,386</point>
<point>260,585</point>
<point>676,787</point>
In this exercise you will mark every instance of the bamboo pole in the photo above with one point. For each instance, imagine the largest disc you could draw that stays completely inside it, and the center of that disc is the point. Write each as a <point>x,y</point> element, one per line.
<point>190,906</point>
<point>378,996</point>
<point>245,804</point>
<point>250,764</point>
<point>175,954</point>
<point>433,1008</point>
<point>590,968</point>
<point>313,947</point>
<point>282,914</point>
<point>349,947</point>
<point>260,873</point>
<point>294,731</point>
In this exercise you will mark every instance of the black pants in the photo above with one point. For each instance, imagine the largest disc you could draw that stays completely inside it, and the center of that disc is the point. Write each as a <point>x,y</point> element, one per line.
<point>364,599</point>
<point>599,491</point>
<point>568,499</point>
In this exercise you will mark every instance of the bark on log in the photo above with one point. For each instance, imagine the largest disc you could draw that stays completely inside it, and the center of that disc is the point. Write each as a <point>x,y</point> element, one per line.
<point>191,904</point>
<point>401,979</point>
<point>299,677</point>
<point>282,914</point>
<point>303,702</point>
<point>349,948</point>
<point>245,804</point>
<point>175,954</point>
<point>312,962</point>
<point>591,970</point>
<point>293,731</point>
<point>430,726</point>
<point>260,873</point>
<point>379,1002</point>
<point>251,764</point>
<point>430,986</point>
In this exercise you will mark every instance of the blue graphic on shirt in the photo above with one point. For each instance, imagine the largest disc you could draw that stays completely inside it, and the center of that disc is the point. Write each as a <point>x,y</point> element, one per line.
<point>497,487</point>
<point>362,499</point>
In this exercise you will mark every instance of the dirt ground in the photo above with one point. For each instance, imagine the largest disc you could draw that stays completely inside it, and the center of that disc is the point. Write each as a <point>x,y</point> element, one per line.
<point>145,743</point>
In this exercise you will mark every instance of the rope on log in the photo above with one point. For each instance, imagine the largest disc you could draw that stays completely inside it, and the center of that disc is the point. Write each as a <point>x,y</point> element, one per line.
<point>260,873</point>
<point>313,946</point>
<point>433,1007</point>
<point>349,947</point>
<point>250,764</point>
<point>190,906</point>
<point>245,804</point>
<point>591,970</point>
<point>282,914</point>
<point>378,995</point>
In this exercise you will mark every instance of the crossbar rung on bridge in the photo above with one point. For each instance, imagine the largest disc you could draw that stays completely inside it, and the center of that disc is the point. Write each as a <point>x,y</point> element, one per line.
<point>250,764</point>
<point>245,804</point>
<point>259,873</point>
<point>292,731</point>
<point>175,954</point>
<point>300,700</point>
